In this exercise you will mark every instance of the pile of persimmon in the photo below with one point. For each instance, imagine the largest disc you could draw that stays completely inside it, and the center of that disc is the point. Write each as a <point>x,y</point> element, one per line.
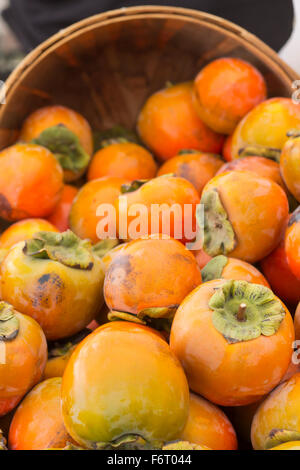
<point>150,276</point>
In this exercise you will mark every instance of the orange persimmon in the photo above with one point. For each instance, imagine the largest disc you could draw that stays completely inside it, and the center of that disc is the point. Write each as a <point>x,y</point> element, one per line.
<point>290,163</point>
<point>292,243</point>
<point>124,160</point>
<point>244,215</point>
<point>226,150</point>
<point>196,167</point>
<point>31,182</point>
<point>60,215</point>
<point>228,335</point>
<point>168,123</point>
<point>23,230</point>
<point>226,90</point>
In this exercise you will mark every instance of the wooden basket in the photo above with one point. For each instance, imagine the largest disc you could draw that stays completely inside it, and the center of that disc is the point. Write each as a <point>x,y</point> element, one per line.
<point>107,65</point>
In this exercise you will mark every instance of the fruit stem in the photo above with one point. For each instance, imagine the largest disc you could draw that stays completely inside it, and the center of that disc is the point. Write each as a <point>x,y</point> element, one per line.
<point>241,316</point>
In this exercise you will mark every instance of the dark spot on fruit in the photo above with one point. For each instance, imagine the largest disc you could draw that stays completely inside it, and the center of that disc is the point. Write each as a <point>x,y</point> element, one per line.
<point>49,291</point>
<point>5,207</point>
<point>44,278</point>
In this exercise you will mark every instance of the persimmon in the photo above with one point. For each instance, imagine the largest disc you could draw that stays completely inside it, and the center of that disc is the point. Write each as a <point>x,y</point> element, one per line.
<point>202,258</point>
<point>166,204</point>
<point>64,132</point>
<point>292,445</point>
<point>110,255</point>
<point>148,278</point>
<point>259,165</point>
<point>222,267</point>
<point>292,243</point>
<point>283,282</point>
<point>297,322</point>
<point>38,423</point>
<point>59,352</point>
<point>245,215</point>
<point>150,407</point>
<point>207,425</point>
<point>56,279</point>
<point>60,216</point>
<point>263,131</point>
<point>83,218</point>
<point>31,182</point>
<point>290,163</point>
<point>226,90</point>
<point>228,335</point>
<point>23,349</point>
<point>226,150</point>
<point>168,123</point>
<point>125,160</point>
<point>196,167</point>
<point>23,230</point>
<point>277,420</point>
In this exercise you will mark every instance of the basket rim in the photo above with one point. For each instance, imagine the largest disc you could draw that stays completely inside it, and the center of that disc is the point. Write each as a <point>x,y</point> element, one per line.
<point>127,13</point>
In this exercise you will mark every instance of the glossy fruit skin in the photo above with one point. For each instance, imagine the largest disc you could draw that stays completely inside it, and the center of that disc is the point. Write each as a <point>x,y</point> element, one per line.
<point>61,299</point>
<point>24,230</point>
<point>150,273</point>
<point>267,125</point>
<point>60,215</point>
<point>50,116</point>
<point>292,445</point>
<point>38,423</point>
<point>240,270</point>
<point>198,168</point>
<point>290,166</point>
<point>168,190</point>
<point>168,123</point>
<point>257,209</point>
<point>280,410</point>
<point>26,358</point>
<point>291,245</point>
<point>33,190</point>
<point>227,374</point>
<point>259,165</point>
<point>83,219</point>
<point>207,425</point>
<point>152,402</point>
<point>277,271</point>
<point>226,90</point>
<point>226,150</point>
<point>124,160</point>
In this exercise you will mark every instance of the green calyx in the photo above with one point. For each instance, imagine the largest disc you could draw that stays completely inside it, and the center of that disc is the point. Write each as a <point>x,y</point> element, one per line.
<point>9,322</point>
<point>115,135</point>
<point>187,151</point>
<point>280,436</point>
<point>214,268</point>
<point>133,186</point>
<point>243,311</point>
<point>65,146</point>
<point>126,442</point>
<point>159,318</point>
<point>65,248</point>
<point>103,247</point>
<point>219,236</point>
<point>260,151</point>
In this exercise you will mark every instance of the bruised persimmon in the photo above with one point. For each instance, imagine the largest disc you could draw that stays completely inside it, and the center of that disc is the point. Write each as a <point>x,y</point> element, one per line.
<point>65,133</point>
<point>222,267</point>
<point>259,165</point>
<point>290,163</point>
<point>292,243</point>
<point>168,123</point>
<point>60,216</point>
<point>207,425</point>
<point>228,335</point>
<point>263,131</point>
<point>31,182</point>
<point>278,273</point>
<point>38,423</point>
<point>277,420</point>
<point>196,167</point>
<point>23,352</point>
<point>56,279</point>
<point>166,204</point>
<point>125,160</point>
<point>23,230</point>
<point>244,215</point>
<point>124,388</point>
<point>84,219</point>
<point>148,278</point>
<point>226,90</point>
